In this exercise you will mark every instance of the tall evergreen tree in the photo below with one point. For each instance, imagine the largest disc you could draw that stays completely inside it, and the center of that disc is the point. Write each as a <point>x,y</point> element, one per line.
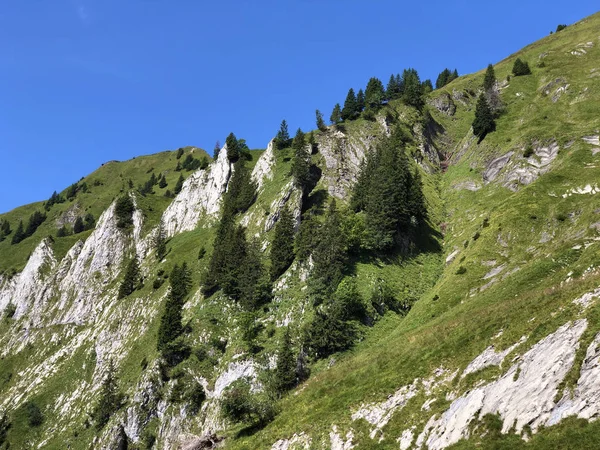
<point>233,151</point>
<point>216,150</point>
<point>413,90</point>
<point>19,234</point>
<point>392,91</point>
<point>178,185</point>
<point>484,119</point>
<point>282,247</point>
<point>110,399</point>
<point>5,228</point>
<point>301,161</point>
<point>336,114</point>
<point>241,191</point>
<point>124,209</point>
<point>160,242</point>
<point>285,370</point>
<point>163,182</point>
<point>374,94</point>
<point>320,122</point>
<point>78,226</point>
<point>171,327</point>
<point>360,101</point>
<point>349,110</point>
<point>35,220</point>
<point>442,79</point>
<point>131,280</point>
<point>489,78</point>
<point>427,86</point>
<point>282,139</point>
<point>89,221</point>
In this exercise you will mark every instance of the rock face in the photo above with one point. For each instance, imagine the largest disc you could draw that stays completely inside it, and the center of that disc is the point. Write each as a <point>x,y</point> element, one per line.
<point>290,196</point>
<point>524,395</point>
<point>263,170</point>
<point>201,195</point>
<point>444,104</point>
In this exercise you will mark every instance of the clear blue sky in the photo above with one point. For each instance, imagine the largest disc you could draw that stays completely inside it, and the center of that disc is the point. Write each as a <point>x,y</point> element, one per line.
<point>83,82</point>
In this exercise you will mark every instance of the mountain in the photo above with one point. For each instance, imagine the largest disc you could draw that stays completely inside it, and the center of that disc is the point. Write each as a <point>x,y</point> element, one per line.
<point>456,311</point>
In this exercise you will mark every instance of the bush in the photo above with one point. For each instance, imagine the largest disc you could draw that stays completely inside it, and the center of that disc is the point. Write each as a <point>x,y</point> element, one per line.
<point>10,310</point>
<point>239,405</point>
<point>195,396</point>
<point>560,27</point>
<point>34,415</point>
<point>461,270</point>
<point>528,151</point>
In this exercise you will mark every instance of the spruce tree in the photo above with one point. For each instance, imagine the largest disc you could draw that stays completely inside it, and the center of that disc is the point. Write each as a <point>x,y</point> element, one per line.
<point>320,122</point>
<point>413,90</point>
<point>171,327</point>
<point>233,151</point>
<point>163,182</point>
<point>124,209</point>
<point>336,114</point>
<point>179,153</point>
<point>160,242</point>
<point>89,220</point>
<point>216,150</point>
<point>301,161</point>
<point>520,68</point>
<point>35,220</point>
<point>19,234</point>
<point>110,399</point>
<point>282,139</point>
<point>489,79</point>
<point>78,226</point>
<point>442,79</point>
<point>349,110</point>
<point>374,94</point>
<point>62,231</point>
<point>427,87</point>
<point>241,191</point>
<point>285,370</point>
<point>392,91</point>
<point>484,120</point>
<point>5,228</point>
<point>178,185</point>
<point>360,101</point>
<point>131,280</point>
<point>282,247</point>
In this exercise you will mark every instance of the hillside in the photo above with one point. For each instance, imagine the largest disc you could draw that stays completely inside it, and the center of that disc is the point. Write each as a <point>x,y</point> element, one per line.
<point>477,328</point>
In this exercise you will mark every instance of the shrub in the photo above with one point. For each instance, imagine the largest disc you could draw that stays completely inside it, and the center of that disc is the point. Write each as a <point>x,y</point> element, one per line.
<point>528,151</point>
<point>239,405</point>
<point>10,310</point>
<point>195,396</point>
<point>461,270</point>
<point>560,27</point>
<point>520,68</point>
<point>34,415</point>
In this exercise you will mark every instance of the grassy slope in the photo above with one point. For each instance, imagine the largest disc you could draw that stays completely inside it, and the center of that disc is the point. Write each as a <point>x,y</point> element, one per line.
<point>455,327</point>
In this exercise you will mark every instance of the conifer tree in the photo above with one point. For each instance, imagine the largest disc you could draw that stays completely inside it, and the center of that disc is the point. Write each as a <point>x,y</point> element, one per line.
<point>124,209</point>
<point>178,185</point>
<point>392,91</point>
<point>374,94</point>
<point>89,220</point>
<point>35,220</point>
<point>19,234</point>
<point>320,122</point>
<point>110,399</point>
<point>171,327</point>
<point>442,79</point>
<point>179,153</point>
<point>233,151</point>
<point>216,150</point>
<point>285,371</point>
<point>282,139</point>
<point>78,226</point>
<point>5,228</point>
<point>301,161</point>
<point>490,78</point>
<point>282,247</point>
<point>413,90</point>
<point>241,191</point>
<point>454,75</point>
<point>62,231</point>
<point>336,114</point>
<point>427,87</point>
<point>484,120</point>
<point>131,280</point>
<point>163,182</point>
<point>350,107</point>
<point>360,101</point>
<point>520,68</point>
<point>160,242</point>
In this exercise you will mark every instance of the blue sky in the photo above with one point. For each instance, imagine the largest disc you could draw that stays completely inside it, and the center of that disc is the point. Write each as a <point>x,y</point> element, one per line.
<point>83,82</point>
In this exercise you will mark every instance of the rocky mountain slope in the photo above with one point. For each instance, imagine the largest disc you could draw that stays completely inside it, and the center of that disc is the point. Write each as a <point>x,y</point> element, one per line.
<point>501,344</point>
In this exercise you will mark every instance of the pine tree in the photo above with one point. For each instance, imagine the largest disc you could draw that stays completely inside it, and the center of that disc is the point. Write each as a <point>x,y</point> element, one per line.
<point>285,370</point>
<point>163,182</point>
<point>160,242</point>
<point>520,68</point>
<point>110,399</point>
<point>320,122</point>
<point>233,151</point>
<point>124,209</point>
<point>454,75</point>
<point>392,90</point>
<point>301,161</point>
<point>241,191</point>
<point>216,150</point>
<point>360,101</point>
<point>19,234</point>
<point>179,153</point>
<point>35,220</point>
<point>484,120</point>
<point>171,327</point>
<point>178,185</point>
<point>62,231</point>
<point>90,222</point>
<point>374,94</point>
<point>489,79</point>
<point>282,139</point>
<point>442,79</point>
<point>413,90</point>
<point>131,280</point>
<point>78,226</point>
<point>282,247</point>
<point>336,114</point>
<point>427,87</point>
<point>5,228</point>
<point>349,110</point>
